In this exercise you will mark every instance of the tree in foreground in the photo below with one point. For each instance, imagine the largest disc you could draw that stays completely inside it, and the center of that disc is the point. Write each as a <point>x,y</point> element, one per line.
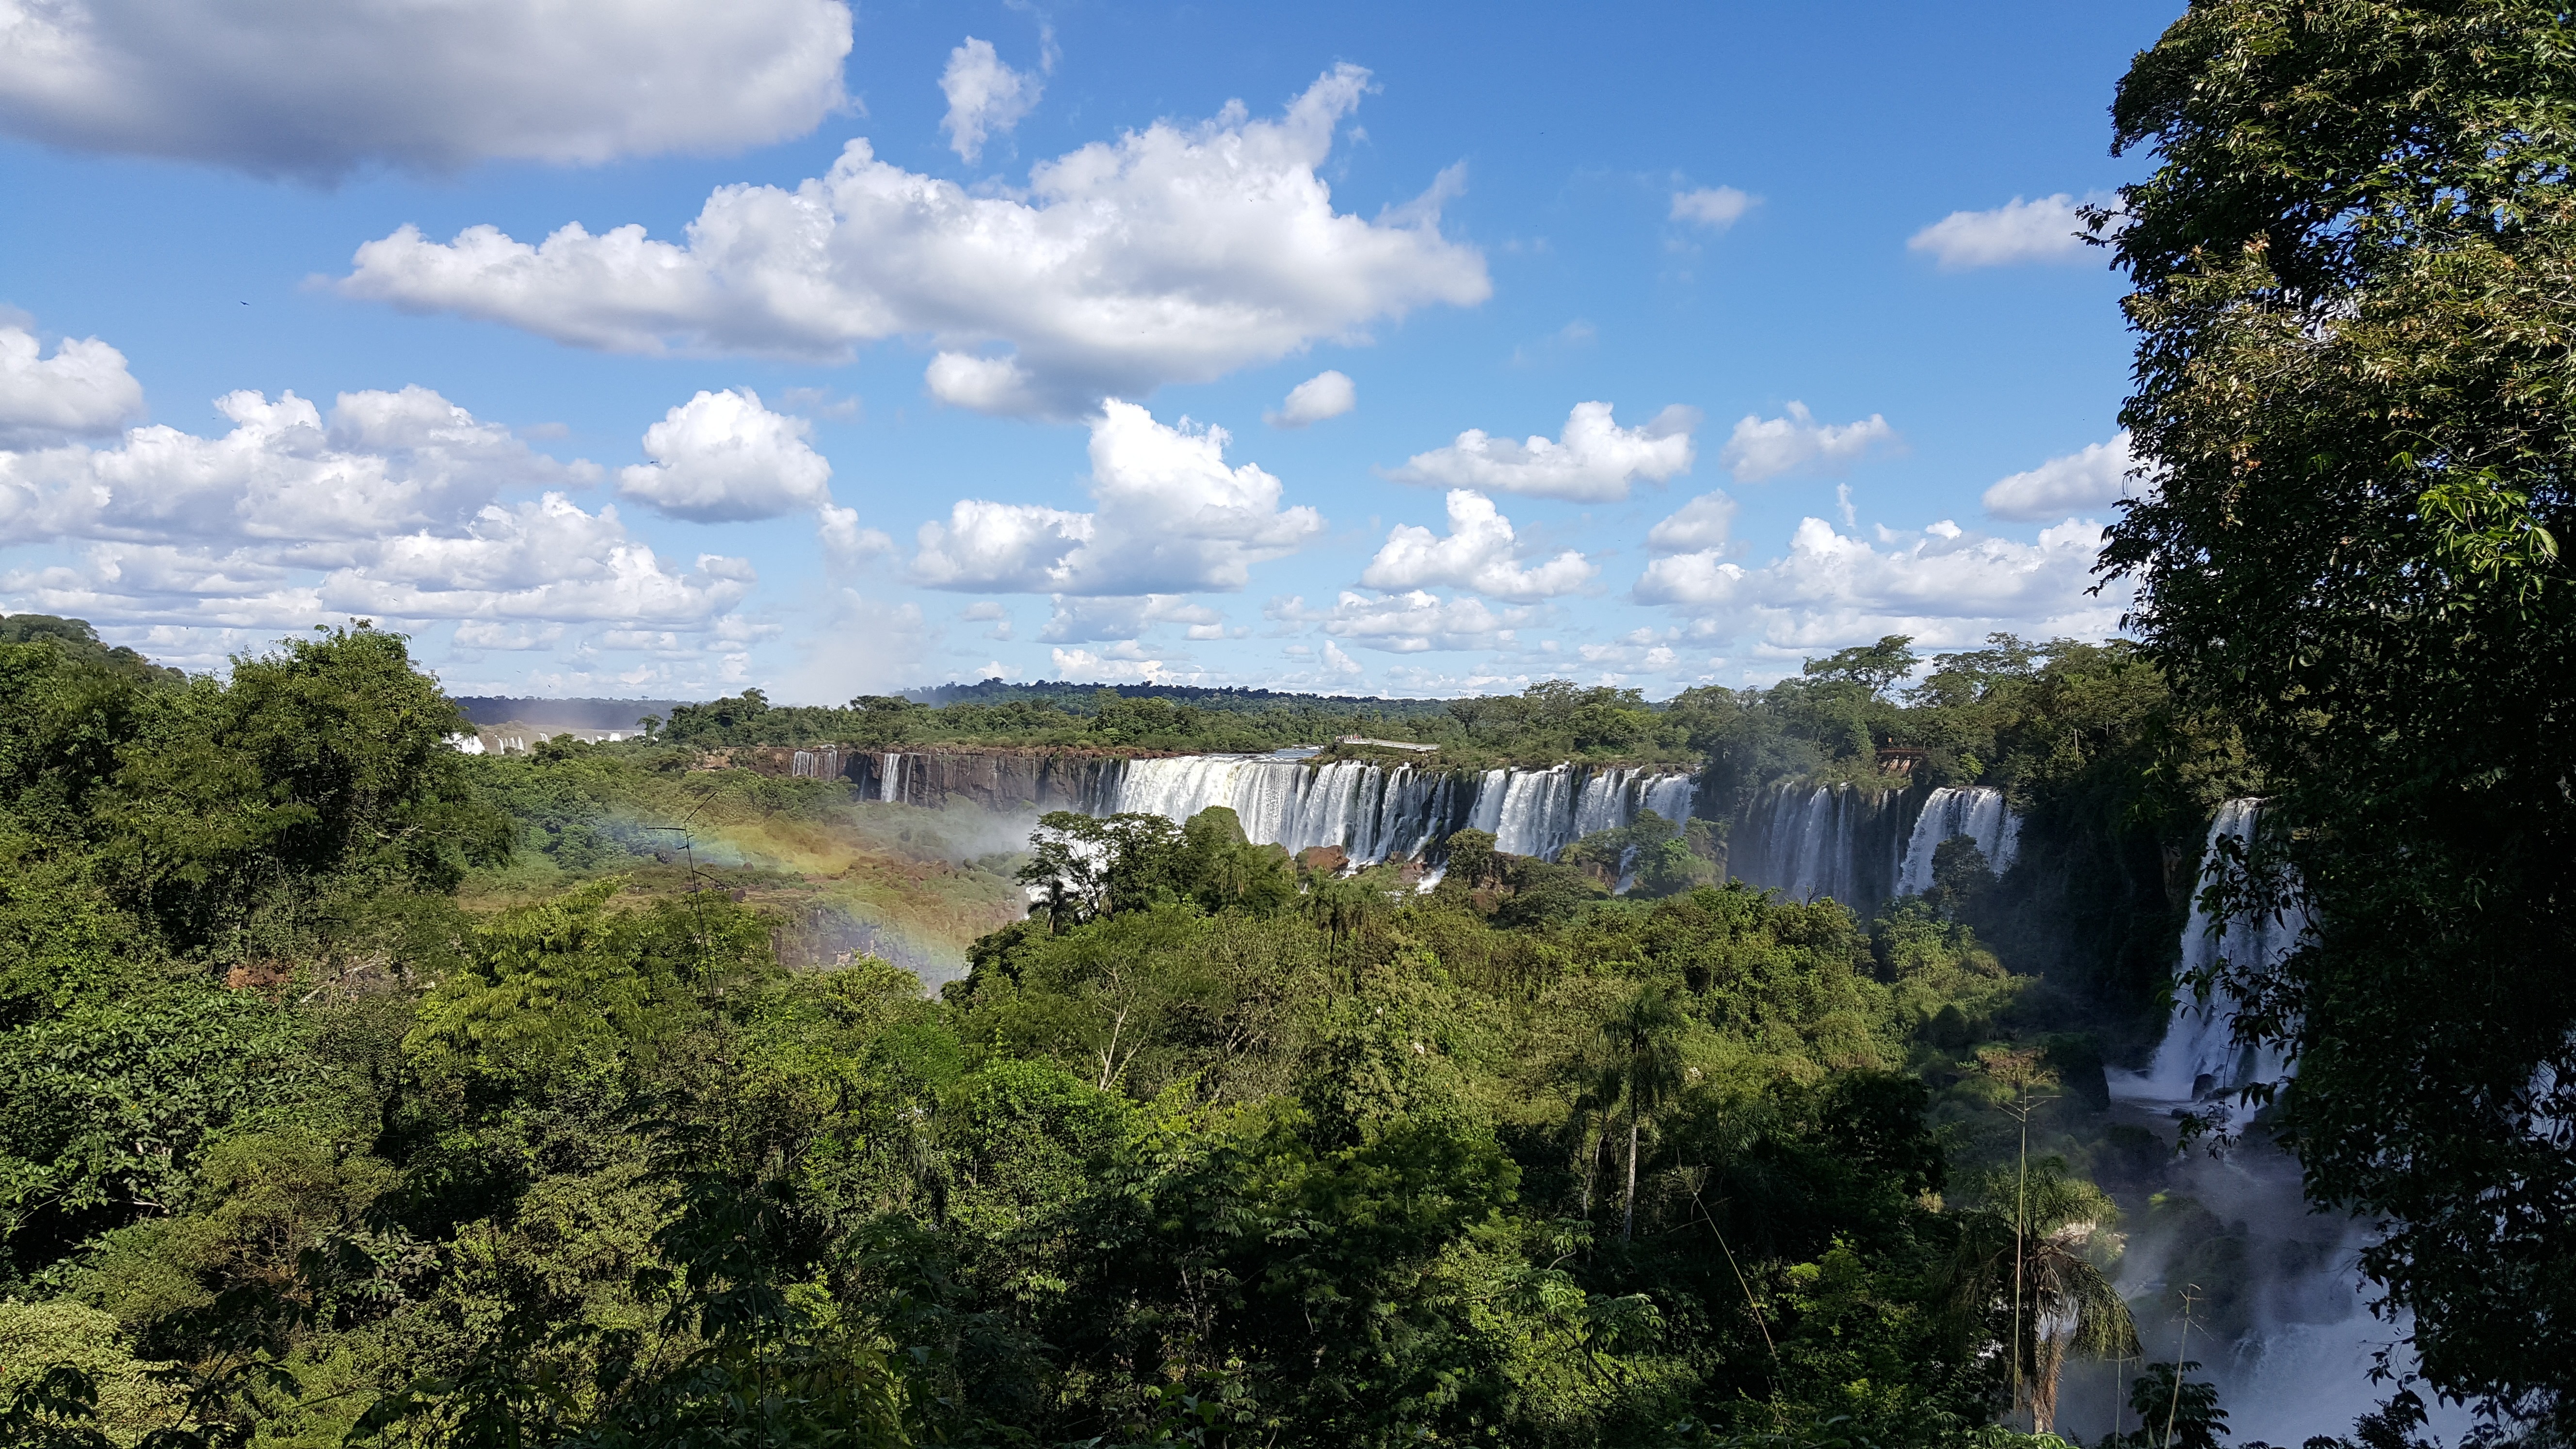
<point>2354,275</point>
<point>2031,1248</point>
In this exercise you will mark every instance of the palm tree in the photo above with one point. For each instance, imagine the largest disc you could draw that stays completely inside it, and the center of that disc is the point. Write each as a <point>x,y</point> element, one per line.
<point>1341,908</point>
<point>1645,1068</point>
<point>2029,1246</point>
<point>1595,1107</point>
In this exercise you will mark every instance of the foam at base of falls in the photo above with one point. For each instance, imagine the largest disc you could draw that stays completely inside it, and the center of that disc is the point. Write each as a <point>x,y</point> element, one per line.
<point>2296,1359</point>
<point>1375,812</point>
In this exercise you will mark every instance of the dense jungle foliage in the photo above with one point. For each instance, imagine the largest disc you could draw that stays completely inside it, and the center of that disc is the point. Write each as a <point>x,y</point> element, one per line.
<point>1080,698</point>
<point>2351,271</point>
<point>340,1102</point>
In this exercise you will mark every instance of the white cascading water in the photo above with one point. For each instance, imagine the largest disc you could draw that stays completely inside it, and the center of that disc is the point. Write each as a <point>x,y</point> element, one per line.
<point>1376,813</point>
<point>1670,796</point>
<point>890,779</point>
<point>1974,811</point>
<point>1537,813</point>
<point>1486,814</point>
<point>1810,845</point>
<point>2302,1364</point>
<point>1813,842</point>
<point>2199,1055</point>
<point>1862,846</point>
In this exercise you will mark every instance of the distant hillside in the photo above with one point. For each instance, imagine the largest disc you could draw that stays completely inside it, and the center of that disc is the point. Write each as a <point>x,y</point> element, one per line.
<point>563,714</point>
<point>1080,698</point>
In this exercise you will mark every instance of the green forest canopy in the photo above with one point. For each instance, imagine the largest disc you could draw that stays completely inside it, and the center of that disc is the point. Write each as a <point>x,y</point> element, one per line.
<point>345,1096</point>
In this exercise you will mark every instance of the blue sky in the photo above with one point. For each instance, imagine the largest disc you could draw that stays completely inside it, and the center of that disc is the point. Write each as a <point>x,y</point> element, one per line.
<point>1783,290</point>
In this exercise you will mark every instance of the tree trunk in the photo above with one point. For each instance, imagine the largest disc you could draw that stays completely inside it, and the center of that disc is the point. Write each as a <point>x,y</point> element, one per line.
<point>1628,1227</point>
<point>2021,1198</point>
<point>2047,1360</point>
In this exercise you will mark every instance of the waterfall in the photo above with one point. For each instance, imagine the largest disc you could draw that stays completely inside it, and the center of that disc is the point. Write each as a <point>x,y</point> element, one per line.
<point>1860,846</point>
<point>1487,813</point>
<point>2199,1055</point>
<point>1670,796</point>
<point>1376,812</point>
<point>1280,801</point>
<point>1815,841</point>
<point>1975,812</point>
<point>1535,802</point>
<point>2306,1355</point>
<point>890,779</point>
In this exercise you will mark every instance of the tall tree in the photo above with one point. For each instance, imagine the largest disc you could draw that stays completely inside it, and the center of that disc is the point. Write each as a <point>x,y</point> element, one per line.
<point>2354,274</point>
<point>1643,1037</point>
<point>2032,1245</point>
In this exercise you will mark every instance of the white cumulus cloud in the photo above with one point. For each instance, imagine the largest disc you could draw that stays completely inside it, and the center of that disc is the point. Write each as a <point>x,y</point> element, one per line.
<point>983,384</point>
<point>985,97</point>
<point>546,561</point>
<point>385,462</point>
<point>1704,523</point>
<point>384,509</point>
<point>1170,517</point>
<point>1479,554</point>
<point>1592,462</point>
<point>485,634</point>
<point>1943,585</point>
<point>1117,665</point>
<point>1006,547</point>
<point>721,457</point>
<point>1411,622</point>
<point>1081,620</point>
<point>1639,651</point>
<point>2017,231</point>
<point>543,560</point>
<point>2089,479</point>
<point>1325,395</point>
<point>844,539</point>
<point>320,90</point>
<point>1175,254</point>
<point>1763,447</point>
<point>82,389</point>
<point>1714,207</point>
